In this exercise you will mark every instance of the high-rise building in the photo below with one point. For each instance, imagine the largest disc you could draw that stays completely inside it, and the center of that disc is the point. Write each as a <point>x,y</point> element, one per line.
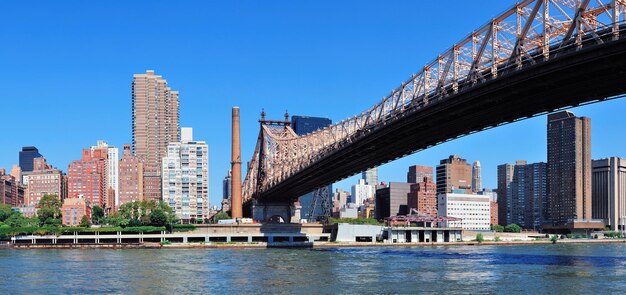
<point>227,191</point>
<point>505,193</point>
<point>340,199</point>
<point>417,173</point>
<point>423,197</point>
<point>44,180</point>
<point>86,177</point>
<point>391,199</point>
<point>370,176</point>
<point>477,183</point>
<point>27,155</point>
<point>455,174</point>
<point>609,192</point>
<point>475,210</point>
<point>303,125</point>
<point>130,177</point>
<point>361,192</point>
<point>569,173</point>
<point>11,191</point>
<point>186,178</point>
<point>524,193</point>
<point>155,125</point>
<point>111,173</point>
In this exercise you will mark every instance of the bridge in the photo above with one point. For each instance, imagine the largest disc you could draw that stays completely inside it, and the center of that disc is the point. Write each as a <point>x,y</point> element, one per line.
<point>537,57</point>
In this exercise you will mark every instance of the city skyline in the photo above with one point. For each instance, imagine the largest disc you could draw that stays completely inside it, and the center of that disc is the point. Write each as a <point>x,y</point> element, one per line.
<point>206,108</point>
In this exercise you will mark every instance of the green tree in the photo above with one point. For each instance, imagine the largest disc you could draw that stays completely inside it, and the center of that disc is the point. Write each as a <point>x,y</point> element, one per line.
<point>97,214</point>
<point>84,221</point>
<point>49,207</point>
<point>5,212</point>
<point>220,216</point>
<point>513,228</point>
<point>158,217</point>
<point>554,239</point>
<point>497,228</point>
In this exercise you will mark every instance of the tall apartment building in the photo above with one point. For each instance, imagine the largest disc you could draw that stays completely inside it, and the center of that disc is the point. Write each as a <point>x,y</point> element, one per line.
<point>130,177</point>
<point>186,178</point>
<point>475,210</point>
<point>74,209</point>
<point>477,182</point>
<point>391,199</point>
<point>86,177</point>
<point>11,191</point>
<point>505,179</point>
<point>303,125</point>
<point>155,125</point>
<point>371,178</point>
<point>16,172</point>
<point>522,193</point>
<point>609,192</point>
<point>44,180</point>
<point>361,192</point>
<point>27,155</point>
<point>417,173</point>
<point>423,197</point>
<point>569,173</point>
<point>111,174</point>
<point>455,174</point>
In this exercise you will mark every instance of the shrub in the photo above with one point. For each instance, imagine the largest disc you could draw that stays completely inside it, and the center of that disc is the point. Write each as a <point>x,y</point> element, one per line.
<point>554,239</point>
<point>497,239</point>
<point>513,228</point>
<point>497,227</point>
<point>479,238</point>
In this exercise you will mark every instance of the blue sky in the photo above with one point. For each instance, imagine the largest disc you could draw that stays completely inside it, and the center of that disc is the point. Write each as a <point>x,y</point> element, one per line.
<point>66,69</point>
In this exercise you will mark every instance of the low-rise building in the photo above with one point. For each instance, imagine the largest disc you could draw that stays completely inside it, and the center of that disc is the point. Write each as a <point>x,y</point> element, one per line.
<point>74,209</point>
<point>474,210</point>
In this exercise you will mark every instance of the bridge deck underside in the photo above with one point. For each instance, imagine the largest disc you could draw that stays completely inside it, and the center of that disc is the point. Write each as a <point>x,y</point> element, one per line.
<point>592,73</point>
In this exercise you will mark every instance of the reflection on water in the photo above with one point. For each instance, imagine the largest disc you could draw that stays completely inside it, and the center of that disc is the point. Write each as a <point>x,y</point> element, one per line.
<point>556,268</point>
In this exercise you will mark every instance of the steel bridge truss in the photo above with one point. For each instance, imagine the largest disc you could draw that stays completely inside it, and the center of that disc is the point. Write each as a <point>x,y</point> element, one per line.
<point>531,31</point>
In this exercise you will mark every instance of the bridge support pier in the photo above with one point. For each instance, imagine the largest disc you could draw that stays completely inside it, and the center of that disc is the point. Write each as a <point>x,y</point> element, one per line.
<point>289,212</point>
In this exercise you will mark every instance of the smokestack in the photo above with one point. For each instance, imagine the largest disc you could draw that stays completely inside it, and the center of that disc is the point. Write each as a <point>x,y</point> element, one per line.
<point>236,207</point>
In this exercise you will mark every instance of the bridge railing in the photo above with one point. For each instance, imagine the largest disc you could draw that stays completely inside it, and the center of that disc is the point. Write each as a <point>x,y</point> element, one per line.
<point>530,32</point>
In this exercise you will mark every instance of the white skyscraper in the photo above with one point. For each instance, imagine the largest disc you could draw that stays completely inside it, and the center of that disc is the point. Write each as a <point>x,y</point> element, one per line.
<point>112,171</point>
<point>186,177</point>
<point>361,192</point>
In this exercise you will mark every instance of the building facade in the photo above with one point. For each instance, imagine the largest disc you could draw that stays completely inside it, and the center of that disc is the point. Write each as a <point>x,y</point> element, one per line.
<point>505,192</point>
<point>454,173</point>
<point>130,177</point>
<point>569,173</point>
<point>11,191</point>
<point>423,197</point>
<point>475,210</point>
<point>86,177</point>
<point>303,125</point>
<point>186,178</point>
<point>111,173</point>
<point>27,155</point>
<point>391,199</point>
<point>477,182</point>
<point>340,199</point>
<point>155,124</point>
<point>525,193</point>
<point>417,174</point>
<point>44,180</point>
<point>74,209</point>
<point>361,192</point>
<point>609,192</point>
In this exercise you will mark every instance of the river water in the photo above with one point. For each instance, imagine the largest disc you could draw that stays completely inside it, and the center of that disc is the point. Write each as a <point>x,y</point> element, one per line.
<point>545,269</point>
